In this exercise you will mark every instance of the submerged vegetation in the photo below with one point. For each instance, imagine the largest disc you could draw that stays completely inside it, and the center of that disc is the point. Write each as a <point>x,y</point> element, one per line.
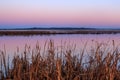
<point>62,63</point>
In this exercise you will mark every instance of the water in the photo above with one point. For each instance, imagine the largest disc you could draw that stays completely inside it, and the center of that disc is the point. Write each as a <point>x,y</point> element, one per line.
<point>11,43</point>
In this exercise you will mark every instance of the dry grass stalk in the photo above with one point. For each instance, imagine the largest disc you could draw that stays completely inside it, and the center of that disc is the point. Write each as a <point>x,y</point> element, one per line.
<point>33,65</point>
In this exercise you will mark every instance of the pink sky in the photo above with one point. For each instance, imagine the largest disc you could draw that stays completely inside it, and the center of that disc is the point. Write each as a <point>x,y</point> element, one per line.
<point>60,12</point>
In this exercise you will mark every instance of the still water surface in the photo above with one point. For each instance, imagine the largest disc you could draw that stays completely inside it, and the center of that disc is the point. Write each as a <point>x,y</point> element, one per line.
<point>11,43</point>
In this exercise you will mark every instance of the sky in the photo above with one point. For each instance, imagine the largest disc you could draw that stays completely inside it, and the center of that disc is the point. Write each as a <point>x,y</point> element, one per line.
<point>59,13</point>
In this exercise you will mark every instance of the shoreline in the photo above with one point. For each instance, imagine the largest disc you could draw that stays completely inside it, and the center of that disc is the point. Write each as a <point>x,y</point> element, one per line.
<point>49,32</point>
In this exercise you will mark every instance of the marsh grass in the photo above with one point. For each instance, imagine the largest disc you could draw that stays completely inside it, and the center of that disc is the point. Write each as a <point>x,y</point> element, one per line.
<point>62,63</point>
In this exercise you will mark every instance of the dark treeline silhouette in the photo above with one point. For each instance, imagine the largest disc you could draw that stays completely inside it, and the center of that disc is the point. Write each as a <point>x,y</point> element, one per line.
<point>54,30</point>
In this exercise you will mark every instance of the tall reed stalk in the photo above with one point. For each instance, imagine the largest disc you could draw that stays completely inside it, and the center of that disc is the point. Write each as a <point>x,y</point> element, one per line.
<point>62,63</point>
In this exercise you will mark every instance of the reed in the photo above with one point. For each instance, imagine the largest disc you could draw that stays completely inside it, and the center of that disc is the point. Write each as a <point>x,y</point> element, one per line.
<point>62,63</point>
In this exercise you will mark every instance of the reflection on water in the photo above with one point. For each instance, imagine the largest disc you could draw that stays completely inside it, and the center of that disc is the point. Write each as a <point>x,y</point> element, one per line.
<point>11,43</point>
<point>86,63</point>
<point>14,43</point>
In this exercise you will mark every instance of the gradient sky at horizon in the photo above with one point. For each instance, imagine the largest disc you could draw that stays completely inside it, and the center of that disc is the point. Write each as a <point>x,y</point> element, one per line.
<point>44,13</point>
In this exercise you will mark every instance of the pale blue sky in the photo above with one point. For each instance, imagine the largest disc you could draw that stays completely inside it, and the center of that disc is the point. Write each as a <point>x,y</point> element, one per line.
<point>52,4</point>
<point>22,10</point>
